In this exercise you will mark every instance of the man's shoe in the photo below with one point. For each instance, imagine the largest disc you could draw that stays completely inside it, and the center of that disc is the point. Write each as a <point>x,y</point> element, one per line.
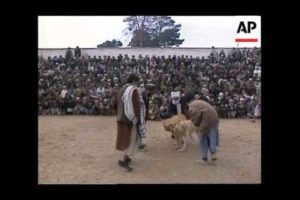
<point>125,165</point>
<point>127,159</point>
<point>202,162</point>
<point>214,157</point>
<point>142,148</point>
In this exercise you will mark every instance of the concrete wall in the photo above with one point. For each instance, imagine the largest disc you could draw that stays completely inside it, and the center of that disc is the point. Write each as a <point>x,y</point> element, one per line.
<point>133,51</point>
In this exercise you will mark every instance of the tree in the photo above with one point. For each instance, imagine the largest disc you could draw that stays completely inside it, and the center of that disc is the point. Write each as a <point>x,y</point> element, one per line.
<point>153,31</point>
<point>137,28</point>
<point>165,33</point>
<point>113,43</point>
<point>140,39</point>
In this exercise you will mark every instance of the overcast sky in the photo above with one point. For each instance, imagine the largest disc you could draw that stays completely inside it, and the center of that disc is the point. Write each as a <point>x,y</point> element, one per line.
<point>89,31</point>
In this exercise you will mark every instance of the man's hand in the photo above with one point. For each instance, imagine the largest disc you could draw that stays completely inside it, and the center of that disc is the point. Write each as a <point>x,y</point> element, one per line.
<point>199,120</point>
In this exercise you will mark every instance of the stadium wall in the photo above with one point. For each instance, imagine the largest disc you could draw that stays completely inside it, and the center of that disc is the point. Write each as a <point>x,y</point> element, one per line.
<point>133,51</point>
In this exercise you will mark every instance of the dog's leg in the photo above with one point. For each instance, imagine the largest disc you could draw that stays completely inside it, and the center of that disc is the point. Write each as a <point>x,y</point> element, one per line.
<point>184,144</point>
<point>173,137</point>
<point>179,143</point>
<point>175,144</point>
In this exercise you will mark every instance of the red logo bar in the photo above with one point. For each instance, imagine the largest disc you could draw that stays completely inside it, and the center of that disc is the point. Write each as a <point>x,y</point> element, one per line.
<point>246,40</point>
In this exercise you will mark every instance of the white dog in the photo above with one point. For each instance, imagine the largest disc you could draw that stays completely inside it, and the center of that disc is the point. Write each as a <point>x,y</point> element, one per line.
<point>185,131</point>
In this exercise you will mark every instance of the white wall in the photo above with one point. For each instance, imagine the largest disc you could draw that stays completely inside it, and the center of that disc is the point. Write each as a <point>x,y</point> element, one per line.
<point>133,51</point>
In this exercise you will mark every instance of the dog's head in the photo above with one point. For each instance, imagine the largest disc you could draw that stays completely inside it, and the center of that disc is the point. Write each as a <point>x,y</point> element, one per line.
<point>168,125</point>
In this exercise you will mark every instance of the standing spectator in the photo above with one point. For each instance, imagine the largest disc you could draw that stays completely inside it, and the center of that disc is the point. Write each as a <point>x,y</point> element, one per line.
<point>64,92</point>
<point>68,55</point>
<point>222,55</point>
<point>176,105</point>
<point>258,90</point>
<point>62,100</point>
<point>257,111</point>
<point>213,55</point>
<point>77,52</point>
<point>257,72</point>
<point>250,105</point>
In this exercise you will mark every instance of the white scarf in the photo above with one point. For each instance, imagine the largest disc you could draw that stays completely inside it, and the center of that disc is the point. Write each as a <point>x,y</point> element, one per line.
<point>175,102</point>
<point>178,105</point>
<point>128,106</point>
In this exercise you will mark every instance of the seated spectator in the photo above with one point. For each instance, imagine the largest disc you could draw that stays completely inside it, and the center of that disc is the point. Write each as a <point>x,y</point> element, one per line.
<point>45,108</point>
<point>69,104</point>
<point>163,110</point>
<point>77,107</point>
<point>232,110</point>
<point>242,109</point>
<point>105,107</point>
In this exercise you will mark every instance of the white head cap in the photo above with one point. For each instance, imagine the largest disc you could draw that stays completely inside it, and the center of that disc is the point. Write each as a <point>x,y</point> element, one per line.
<point>175,94</point>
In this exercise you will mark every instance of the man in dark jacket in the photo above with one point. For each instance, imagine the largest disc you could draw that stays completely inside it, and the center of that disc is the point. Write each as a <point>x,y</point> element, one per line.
<point>177,104</point>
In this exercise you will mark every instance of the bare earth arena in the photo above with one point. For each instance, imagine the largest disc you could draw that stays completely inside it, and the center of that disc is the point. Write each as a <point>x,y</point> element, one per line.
<point>81,150</point>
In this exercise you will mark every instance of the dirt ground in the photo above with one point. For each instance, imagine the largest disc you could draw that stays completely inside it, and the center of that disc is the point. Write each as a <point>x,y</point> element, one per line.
<point>81,150</point>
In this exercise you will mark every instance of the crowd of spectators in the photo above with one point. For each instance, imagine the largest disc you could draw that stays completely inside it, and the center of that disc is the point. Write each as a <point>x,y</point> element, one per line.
<point>85,85</point>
